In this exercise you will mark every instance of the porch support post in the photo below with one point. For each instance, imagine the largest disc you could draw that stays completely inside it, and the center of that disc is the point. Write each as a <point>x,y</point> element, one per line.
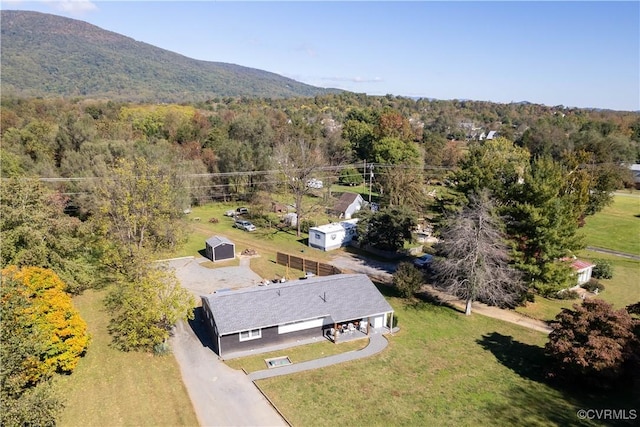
<point>391,324</point>
<point>368,325</point>
<point>335,333</point>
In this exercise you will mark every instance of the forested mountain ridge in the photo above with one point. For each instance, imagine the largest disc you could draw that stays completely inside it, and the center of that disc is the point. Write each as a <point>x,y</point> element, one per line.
<point>49,55</point>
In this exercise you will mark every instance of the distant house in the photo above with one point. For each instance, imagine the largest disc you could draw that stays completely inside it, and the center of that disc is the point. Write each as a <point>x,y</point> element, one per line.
<point>220,248</point>
<point>281,313</point>
<point>332,236</point>
<point>635,171</point>
<point>583,271</point>
<point>279,207</point>
<point>347,205</point>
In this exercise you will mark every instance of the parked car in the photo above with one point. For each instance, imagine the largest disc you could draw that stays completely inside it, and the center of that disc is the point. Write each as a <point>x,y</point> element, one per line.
<point>423,261</point>
<point>314,183</point>
<point>244,225</point>
<point>242,211</point>
<point>230,212</point>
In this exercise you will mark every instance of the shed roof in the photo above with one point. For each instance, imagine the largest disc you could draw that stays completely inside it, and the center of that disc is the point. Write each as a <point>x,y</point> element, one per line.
<point>581,265</point>
<point>218,240</point>
<point>335,226</point>
<point>342,297</point>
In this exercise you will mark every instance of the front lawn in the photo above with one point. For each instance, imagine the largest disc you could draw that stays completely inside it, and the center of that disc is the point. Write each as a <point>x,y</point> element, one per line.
<point>442,368</point>
<point>616,227</point>
<point>298,354</point>
<point>113,388</point>
<point>621,290</point>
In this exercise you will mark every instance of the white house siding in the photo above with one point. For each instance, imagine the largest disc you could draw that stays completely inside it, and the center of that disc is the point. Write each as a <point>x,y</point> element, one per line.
<point>299,326</point>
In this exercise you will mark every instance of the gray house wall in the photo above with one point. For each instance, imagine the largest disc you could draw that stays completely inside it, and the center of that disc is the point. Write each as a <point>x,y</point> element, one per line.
<point>270,336</point>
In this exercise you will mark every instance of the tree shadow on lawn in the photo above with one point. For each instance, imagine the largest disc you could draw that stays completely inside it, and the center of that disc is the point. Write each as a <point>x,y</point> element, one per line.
<point>538,403</point>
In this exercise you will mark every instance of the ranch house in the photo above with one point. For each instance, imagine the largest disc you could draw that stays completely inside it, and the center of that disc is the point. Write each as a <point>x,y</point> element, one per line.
<point>336,308</point>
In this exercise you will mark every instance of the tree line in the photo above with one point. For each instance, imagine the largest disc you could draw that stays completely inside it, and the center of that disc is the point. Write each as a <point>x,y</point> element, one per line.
<point>133,169</point>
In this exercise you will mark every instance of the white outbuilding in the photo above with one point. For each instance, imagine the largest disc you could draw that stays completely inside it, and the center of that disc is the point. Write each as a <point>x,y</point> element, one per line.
<point>332,236</point>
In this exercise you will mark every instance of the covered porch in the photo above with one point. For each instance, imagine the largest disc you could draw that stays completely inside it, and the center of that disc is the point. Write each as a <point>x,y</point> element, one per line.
<point>359,328</point>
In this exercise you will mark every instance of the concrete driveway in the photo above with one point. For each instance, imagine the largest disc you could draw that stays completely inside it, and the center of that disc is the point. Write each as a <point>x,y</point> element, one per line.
<point>221,396</point>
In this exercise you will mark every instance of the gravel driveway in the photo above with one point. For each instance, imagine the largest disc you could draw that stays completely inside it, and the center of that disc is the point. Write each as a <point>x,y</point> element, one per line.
<point>221,396</point>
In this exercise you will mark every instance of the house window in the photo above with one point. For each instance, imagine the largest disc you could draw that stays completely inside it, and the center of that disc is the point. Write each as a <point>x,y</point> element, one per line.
<point>252,334</point>
<point>318,236</point>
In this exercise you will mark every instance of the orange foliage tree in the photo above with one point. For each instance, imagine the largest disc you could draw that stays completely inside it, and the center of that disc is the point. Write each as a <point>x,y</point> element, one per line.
<point>49,311</point>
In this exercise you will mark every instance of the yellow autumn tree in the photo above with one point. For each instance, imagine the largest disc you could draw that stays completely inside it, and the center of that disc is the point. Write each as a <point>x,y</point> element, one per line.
<point>49,311</point>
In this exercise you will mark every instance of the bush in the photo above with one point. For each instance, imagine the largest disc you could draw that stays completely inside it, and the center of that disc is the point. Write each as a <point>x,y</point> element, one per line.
<point>407,279</point>
<point>592,285</point>
<point>305,225</point>
<point>593,343</point>
<point>602,270</point>
<point>162,349</point>
<point>568,294</point>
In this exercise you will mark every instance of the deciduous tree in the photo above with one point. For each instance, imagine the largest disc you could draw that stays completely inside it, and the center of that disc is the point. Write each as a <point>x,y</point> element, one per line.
<point>145,310</point>
<point>37,232</point>
<point>474,257</point>
<point>592,343</point>
<point>386,229</point>
<point>137,215</point>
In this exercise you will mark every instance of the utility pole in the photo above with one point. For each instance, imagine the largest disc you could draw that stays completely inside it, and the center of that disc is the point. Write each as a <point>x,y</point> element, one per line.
<point>370,179</point>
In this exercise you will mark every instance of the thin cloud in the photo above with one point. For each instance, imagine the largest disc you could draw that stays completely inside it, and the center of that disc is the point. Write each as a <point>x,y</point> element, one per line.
<point>72,6</point>
<point>307,49</point>
<point>356,79</point>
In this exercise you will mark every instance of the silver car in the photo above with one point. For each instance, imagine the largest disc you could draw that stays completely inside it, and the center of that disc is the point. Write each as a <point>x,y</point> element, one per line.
<point>244,225</point>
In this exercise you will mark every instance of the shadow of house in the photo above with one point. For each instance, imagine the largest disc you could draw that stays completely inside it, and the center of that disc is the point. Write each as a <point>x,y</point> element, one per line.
<point>199,328</point>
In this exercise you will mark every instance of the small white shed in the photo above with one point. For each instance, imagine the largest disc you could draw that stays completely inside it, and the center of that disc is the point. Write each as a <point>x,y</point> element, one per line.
<point>332,236</point>
<point>220,248</point>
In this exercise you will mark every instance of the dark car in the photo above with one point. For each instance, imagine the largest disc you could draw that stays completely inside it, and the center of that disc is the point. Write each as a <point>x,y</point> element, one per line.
<point>423,261</point>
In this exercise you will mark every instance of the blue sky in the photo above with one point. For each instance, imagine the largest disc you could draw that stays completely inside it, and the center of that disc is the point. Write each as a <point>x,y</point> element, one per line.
<point>578,54</point>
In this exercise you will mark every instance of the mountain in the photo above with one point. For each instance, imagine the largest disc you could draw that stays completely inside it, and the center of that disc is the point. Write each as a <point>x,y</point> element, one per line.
<point>49,55</point>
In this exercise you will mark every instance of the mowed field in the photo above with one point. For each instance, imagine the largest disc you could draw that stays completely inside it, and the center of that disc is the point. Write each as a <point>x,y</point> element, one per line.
<point>442,369</point>
<point>113,388</point>
<point>616,227</point>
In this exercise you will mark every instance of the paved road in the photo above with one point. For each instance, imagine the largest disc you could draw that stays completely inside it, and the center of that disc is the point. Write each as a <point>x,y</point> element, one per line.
<point>612,252</point>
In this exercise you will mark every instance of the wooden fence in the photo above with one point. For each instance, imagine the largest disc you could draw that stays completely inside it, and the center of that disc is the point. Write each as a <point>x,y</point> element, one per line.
<point>306,265</point>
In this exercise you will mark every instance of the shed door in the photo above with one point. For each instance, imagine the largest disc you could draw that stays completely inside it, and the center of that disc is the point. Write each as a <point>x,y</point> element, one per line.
<point>224,251</point>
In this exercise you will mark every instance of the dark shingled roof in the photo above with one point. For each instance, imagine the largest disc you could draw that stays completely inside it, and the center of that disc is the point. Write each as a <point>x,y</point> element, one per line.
<point>345,200</point>
<point>342,297</point>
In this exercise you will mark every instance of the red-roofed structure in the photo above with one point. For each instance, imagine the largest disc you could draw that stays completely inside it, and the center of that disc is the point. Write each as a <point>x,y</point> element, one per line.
<point>583,269</point>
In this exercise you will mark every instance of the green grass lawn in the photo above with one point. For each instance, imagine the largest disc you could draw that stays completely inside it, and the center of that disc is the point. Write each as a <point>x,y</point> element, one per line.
<point>113,388</point>
<point>616,227</point>
<point>298,354</point>
<point>442,368</point>
<point>623,289</point>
